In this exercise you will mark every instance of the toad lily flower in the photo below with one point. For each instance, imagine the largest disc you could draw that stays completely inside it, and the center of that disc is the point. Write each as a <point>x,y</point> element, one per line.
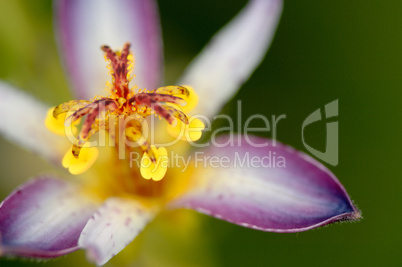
<point>113,201</point>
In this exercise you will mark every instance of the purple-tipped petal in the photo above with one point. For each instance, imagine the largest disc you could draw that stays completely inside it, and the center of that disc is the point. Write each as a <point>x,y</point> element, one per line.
<point>84,26</point>
<point>232,55</point>
<point>112,228</point>
<point>43,219</point>
<point>274,188</point>
<point>23,122</point>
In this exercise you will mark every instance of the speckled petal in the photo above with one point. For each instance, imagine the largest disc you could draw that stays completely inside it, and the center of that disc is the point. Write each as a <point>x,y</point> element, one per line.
<point>112,228</point>
<point>272,188</point>
<point>23,122</point>
<point>232,55</point>
<point>83,27</point>
<point>43,219</point>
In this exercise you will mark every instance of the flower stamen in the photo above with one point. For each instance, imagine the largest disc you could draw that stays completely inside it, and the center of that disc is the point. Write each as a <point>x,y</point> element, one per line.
<point>154,170</point>
<point>105,113</point>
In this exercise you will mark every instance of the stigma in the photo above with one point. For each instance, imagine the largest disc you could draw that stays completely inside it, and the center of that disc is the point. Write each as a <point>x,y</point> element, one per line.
<point>121,115</point>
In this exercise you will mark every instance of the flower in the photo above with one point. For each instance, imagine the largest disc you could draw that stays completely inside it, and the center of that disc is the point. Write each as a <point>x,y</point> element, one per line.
<point>113,202</point>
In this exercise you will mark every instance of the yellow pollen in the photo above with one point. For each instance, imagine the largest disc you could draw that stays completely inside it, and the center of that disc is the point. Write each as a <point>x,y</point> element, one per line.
<point>154,170</point>
<point>86,159</point>
<point>122,101</point>
<point>109,85</point>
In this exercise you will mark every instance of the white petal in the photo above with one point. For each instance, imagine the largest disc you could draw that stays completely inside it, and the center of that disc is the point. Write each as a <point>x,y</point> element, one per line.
<point>232,55</point>
<point>112,228</point>
<point>23,122</point>
<point>84,26</point>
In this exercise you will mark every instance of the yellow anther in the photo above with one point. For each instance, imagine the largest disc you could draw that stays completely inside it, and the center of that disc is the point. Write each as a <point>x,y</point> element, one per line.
<point>187,132</point>
<point>56,126</point>
<point>154,170</point>
<point>86,159</point>
<point>191,99</point>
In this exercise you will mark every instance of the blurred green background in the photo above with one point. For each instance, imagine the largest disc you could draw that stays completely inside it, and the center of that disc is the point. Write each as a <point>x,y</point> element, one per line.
<point>323,51</point>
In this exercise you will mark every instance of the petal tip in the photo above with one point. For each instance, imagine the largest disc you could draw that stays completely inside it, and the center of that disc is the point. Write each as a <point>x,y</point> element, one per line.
<point>93,255</point>
<point>354,216</point>
<point>300,195</point>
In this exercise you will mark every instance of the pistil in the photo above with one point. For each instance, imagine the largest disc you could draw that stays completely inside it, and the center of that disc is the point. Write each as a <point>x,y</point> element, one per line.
<point>128,105</point>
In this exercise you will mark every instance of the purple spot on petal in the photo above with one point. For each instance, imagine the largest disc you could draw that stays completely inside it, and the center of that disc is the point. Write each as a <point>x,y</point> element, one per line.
<point>118,211</point>
<point>139,211</point>
<point>128,221</point>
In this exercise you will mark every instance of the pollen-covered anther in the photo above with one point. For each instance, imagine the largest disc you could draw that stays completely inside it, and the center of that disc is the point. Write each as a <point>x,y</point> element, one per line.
<point>190,132</point>
<point>154,170</point>
<point>57,124</point>
<point>191,99</point>
<point>78,165</point>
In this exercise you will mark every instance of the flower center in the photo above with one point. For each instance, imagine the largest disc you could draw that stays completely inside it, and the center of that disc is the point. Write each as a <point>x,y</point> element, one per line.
<point>121,115</point>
